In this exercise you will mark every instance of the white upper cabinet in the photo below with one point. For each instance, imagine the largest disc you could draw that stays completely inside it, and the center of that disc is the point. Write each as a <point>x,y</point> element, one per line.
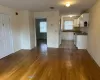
<point>76,22</point>
<point>84,18</point>
<point>80,21</point>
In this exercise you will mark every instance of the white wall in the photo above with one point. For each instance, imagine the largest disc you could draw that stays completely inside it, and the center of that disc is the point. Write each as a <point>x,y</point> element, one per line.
<point>94,32</point>
<point>27,30</point>
<point>32,30</point>
<point>53,19</point>
<point>22,27</point>
<point>14,26</point>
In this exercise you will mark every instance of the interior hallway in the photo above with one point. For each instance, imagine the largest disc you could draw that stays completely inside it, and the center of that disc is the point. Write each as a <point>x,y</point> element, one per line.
<point>49,64</point>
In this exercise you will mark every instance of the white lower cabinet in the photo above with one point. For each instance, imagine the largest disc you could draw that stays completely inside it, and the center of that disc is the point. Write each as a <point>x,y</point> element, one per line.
<point>81,41</point>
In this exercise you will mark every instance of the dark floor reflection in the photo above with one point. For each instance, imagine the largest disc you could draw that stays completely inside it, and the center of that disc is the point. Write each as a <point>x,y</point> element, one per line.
<point>41,41</point>
<point>42,45</point>
<point>43,48</point>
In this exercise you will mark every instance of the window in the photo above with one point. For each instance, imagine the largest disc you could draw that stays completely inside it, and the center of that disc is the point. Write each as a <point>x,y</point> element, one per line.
<point>43,27</point>
<point>68,25</point>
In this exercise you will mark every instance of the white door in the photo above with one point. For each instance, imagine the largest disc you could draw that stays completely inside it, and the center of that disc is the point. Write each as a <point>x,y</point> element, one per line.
<point>2,51</point>
<point>6,39</point>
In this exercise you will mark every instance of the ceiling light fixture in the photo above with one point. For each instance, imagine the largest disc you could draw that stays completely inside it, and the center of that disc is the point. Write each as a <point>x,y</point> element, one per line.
<point>70,16</point>
<point>67,4</point>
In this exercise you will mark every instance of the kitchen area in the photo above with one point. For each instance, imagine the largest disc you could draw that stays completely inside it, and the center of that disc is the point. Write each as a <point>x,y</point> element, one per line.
<point>79,34</point>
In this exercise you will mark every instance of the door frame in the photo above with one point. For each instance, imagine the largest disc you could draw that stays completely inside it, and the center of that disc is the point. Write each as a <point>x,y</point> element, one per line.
<point>35,29</point>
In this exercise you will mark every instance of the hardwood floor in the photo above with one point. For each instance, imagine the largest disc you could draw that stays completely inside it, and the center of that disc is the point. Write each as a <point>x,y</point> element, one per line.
<point>49,64</point>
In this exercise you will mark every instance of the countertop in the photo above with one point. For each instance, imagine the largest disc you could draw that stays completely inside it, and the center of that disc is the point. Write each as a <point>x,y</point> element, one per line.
<point>81,33</point>
<point>77,32</point>
<point>72,31</point>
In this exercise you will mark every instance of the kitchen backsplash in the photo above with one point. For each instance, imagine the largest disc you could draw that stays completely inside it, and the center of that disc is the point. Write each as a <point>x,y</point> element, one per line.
<point>84,29</point>
<point>77,28</point>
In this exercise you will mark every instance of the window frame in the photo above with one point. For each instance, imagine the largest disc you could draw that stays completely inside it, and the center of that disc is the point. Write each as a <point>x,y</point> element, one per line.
<point>40,27</point>
<point>64,29</point>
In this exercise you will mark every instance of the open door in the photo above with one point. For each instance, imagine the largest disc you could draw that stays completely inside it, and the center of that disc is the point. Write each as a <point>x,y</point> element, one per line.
<point>41,31</point>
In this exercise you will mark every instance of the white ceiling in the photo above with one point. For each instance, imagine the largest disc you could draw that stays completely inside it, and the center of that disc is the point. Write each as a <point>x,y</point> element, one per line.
<point>77,6</point>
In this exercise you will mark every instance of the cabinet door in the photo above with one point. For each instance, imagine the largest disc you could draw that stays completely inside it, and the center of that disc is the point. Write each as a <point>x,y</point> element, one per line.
<point>81,41</point>
<point>8,35</point>
<point>84,18</point>
<point>6,41</point>
<point>2,41</point>
<point>78,22</point>
<point>81,23</point>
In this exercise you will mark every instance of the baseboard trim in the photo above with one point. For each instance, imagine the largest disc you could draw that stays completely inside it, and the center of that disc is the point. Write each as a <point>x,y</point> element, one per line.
<point>10,54</point>
<point>93,59</point>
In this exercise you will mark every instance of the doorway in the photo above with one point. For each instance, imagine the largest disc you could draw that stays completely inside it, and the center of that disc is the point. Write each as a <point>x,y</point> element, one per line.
<point>41,31</point>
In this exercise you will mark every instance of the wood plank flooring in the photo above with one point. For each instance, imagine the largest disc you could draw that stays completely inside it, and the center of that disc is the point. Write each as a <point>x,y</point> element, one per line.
<point>49,64</point>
